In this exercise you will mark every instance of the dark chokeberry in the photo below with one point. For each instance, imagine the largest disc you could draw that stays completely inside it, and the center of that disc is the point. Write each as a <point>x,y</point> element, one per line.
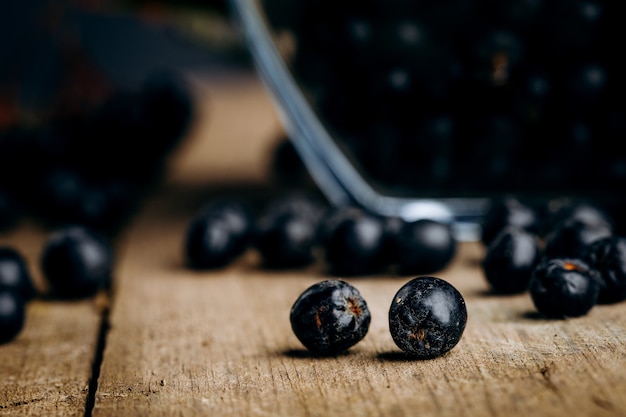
<point>571,238</point>
<point>567,210</point>
<point>608,257</point>
<point>77,262</point>
<point>69,197</point>
<point>427,317</point>
<point>299,203</point>
<point>330,317</point>
<point>507,211</point>
<point>393,226</point>
<point>510,260</point>
<point>14,274</point>
<point>218,233</point>
<point>424,246</point>
<point>238,214</point>
<point>562,287</point>
<point>356,245</point>
<point>211,241</point>
<point>286,240</point>
<point>12,315</point>
<point>332,217</point>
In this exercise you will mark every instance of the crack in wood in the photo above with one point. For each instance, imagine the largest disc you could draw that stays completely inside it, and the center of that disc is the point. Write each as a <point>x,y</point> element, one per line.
<point>97,362</point>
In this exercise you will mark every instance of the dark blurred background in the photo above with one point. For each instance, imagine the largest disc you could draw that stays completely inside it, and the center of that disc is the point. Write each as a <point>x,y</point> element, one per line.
<point>94,95</point>
<point>61,54</point>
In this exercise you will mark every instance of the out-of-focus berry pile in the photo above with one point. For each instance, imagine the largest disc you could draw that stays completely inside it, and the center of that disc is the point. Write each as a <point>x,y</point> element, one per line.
<point>92,166</point>
<point>465,97</point>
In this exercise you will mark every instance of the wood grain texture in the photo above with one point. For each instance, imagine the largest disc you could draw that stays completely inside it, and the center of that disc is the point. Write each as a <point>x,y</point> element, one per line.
<point>46,370</point>
<point>220,343</point>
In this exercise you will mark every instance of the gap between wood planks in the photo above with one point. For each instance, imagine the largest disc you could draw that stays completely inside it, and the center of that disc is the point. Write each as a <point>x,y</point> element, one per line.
<point>103,330</point>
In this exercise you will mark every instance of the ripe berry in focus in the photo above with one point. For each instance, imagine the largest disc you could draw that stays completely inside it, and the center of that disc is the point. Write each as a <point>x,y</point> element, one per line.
<point>427,317</point>
<point>330,317</point>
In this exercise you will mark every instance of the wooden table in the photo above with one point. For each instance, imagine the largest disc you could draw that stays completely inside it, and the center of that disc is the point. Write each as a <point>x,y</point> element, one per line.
<point>168,341</point>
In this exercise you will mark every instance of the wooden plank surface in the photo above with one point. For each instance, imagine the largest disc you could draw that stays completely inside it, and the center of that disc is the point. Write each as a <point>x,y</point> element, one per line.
<point>220,344</point>
<point>46,370</point>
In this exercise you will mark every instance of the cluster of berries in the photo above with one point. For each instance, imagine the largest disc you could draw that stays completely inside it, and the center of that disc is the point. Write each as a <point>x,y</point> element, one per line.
<point>427,316</point>
<point>83,174</point>
<point>295,230</point>
<point>569,256</point>
<point>76,262</point>
<point>92,166</point>
<point>417,93</point>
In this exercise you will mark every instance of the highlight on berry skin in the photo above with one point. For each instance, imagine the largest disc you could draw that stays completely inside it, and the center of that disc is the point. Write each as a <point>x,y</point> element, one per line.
<point>427,317</point>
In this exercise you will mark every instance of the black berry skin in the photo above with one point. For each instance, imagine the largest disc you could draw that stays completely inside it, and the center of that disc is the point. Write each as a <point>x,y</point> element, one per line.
<point>356,246</point>
<point>562,287</point>
<point>424,247</point>
<point>12,315</point>
<point>330,317</point>
<point>562,211</point>
<point>393,226</point>
<point>216,235</point>
<point>14,274</point>
<point>298,203</point>
<point>427,317</point>
<point>332,217</point>
<point>608,257</point>
<point>510,260</point>
<point>77,262</point>
<point>286,240</point>
<point>237,213</point>
<point>508,211</point>
<point>571,238</point>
